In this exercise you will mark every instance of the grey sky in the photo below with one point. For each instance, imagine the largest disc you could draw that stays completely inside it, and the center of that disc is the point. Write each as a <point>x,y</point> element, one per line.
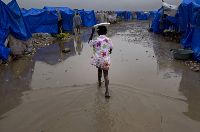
<point>96,4</point>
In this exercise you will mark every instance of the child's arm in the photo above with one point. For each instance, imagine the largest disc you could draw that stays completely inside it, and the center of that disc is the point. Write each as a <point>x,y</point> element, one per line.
<point>110,51</point>
<point>91,36</point>
<point>111,46</point>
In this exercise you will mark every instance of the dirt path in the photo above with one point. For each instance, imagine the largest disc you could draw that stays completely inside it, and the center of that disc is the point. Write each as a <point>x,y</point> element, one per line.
<point>55,92</point>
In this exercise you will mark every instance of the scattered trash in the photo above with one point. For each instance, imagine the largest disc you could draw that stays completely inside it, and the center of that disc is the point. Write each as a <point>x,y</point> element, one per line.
<point>195,69</point>
<point>182,54</point>
<point>63,36</point>
<point>60,60</point>
<point>66,50</point>
<point>194,66</point>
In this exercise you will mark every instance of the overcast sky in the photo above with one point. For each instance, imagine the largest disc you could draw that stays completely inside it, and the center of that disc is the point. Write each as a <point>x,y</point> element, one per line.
<point>96,4</point>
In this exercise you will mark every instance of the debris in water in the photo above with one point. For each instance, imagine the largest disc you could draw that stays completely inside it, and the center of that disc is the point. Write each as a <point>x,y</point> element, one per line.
<point>195,69</point>
<point>60,60</point>
<point>194,66</point>
<point>66,50</point>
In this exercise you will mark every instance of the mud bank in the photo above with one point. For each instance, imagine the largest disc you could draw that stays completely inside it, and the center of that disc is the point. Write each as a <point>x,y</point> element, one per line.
<point>56,92</point>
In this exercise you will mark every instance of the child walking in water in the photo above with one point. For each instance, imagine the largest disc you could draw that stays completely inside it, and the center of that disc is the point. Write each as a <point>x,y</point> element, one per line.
<point>102,48</point>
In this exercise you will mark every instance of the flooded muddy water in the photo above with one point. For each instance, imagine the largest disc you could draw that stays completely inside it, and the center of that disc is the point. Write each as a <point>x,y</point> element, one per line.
<point>56,92</point>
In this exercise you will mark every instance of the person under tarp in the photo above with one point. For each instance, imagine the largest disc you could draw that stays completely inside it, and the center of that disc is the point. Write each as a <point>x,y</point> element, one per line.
<point>11,22</point>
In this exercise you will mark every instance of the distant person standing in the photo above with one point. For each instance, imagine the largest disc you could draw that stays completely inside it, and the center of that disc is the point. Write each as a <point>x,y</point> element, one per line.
<point>77,23</point>
<point>59,21</point>
<point>98,17</point>
<point>101,17</point>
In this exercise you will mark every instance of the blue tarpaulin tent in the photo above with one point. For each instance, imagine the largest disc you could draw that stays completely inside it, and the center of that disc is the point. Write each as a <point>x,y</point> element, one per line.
<point>11,22</point>
<point>126,15</point>
<point>88,17</point>
<point>41,20</point>
<point>189,12</point>
<point>141,15</point>
<point>155,25</point>
<point>67,16</point>
<point>152,14</point>
<point>165,19</point>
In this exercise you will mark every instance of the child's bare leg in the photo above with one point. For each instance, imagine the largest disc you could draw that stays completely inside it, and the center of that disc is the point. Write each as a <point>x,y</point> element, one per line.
<point>105,72</point>
<point>99,76</point>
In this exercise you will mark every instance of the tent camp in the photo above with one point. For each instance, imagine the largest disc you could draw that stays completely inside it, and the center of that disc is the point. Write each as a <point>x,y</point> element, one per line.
<point>189,12</point>
<point>11,22</point>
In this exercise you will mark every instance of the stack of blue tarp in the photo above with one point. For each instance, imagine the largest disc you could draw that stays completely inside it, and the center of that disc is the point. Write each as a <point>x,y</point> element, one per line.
<point>141,15</point>
<point>11,22</point>
<point>189,17</point>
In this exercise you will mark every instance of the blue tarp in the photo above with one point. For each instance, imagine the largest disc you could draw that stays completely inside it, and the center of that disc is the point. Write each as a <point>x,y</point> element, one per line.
<point>189,12</point>
<point>41,20</point>
<point>152,14</point>
<point>126,15</point>
<point>155,25</point>
<point>88,17</point>
<point>142,15</point>
<point>191,1</point>
<point>160,23</point>
<point>195,45</point>
<point>67,16</point>
<point>11,22</point>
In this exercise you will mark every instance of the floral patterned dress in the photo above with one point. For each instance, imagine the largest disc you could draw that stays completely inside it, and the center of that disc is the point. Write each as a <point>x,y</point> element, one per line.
<point>101,55</point>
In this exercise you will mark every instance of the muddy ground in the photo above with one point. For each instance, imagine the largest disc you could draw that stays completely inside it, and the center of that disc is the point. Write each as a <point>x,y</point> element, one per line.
<point>57,92</point>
